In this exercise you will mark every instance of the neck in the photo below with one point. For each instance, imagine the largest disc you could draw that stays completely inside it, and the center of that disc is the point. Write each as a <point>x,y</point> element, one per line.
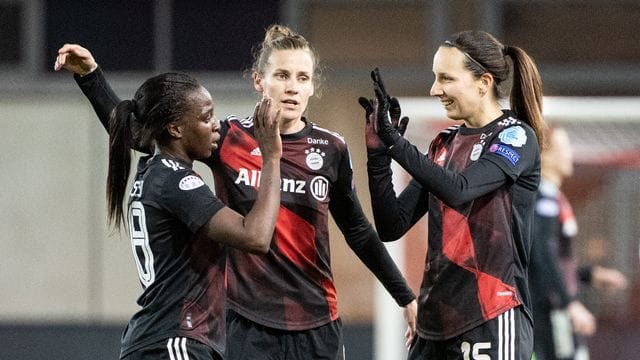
<point>485,115</point>
<point>173,152</point>
<point>291,126</point>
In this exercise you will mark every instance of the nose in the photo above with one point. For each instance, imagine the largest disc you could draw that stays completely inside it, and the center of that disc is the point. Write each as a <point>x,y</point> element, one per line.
<point>292,86</point>
<point>215,124</point>
<point>435,89</point>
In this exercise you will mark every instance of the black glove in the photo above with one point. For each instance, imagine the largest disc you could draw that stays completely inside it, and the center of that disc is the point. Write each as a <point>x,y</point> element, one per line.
<point>389,129</point>
<point>397,122</point>
<point>372,140</point>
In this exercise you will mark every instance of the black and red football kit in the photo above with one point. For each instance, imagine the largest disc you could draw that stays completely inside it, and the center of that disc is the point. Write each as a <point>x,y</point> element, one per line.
<point>291,287</point>
<point>183,279</point>
<point>478,186</point>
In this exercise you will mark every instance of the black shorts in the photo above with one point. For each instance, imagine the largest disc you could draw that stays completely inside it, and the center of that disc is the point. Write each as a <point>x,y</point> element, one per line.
<point>178,348</point>
<point>247,340</point>
<point>506,337</point>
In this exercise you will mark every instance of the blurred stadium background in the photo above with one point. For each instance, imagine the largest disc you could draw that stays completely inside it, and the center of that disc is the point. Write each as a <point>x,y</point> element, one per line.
<point>67,283</point>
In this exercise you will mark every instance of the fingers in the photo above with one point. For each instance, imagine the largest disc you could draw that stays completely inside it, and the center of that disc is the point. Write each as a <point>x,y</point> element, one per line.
<point>409,335</point>
<point>265,116</point>
<point>394,109</point>
<point>367,105</point>
<point>60,61</point>
<point>76,59</point>
<point>261,113</point>
<point>402,125</point>
<point>377,80</point>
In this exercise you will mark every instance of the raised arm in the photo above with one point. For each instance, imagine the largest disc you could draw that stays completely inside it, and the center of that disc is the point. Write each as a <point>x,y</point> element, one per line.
<point>393,216</point>
<point>89,76</point>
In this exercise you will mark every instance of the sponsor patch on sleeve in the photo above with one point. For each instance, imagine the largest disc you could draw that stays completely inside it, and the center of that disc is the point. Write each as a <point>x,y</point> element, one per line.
<point>514,135</point>
<point>190,182</point>
<point>506,152</point>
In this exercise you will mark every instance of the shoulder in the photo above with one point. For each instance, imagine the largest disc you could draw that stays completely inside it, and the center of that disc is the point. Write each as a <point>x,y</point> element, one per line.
<point>173,171</point>
<point>326,140</point>
<point>445,135</point>
<point>236,121</point>
<point>449,131</point>
<point>512,131</point>
<point>328,135</point>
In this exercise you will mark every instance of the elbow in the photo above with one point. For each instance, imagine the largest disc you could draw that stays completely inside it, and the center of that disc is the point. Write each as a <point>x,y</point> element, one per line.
<point>386,237</point>
<point>389,235</point>
<point>454,199</point>
<point>260,244</point>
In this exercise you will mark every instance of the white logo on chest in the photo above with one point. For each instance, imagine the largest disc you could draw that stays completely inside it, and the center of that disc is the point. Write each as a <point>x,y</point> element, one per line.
<point>315,158</point>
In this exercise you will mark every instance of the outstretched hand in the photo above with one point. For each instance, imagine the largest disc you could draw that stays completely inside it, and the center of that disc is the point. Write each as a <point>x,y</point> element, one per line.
<point>383,115</point>
<point>372,140</point>
<point>266,121</point>
<point>75,59</point>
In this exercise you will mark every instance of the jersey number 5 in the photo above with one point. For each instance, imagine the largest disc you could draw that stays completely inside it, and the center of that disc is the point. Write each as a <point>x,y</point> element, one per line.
<point>140,243</point>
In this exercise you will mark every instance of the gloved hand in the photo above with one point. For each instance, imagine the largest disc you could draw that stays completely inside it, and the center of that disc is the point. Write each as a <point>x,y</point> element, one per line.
<point>372,140</point>
<point>383,115</point>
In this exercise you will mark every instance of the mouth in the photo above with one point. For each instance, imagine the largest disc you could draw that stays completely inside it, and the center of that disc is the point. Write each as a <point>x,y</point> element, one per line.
<point>446,103</point>
<point>290,102</point>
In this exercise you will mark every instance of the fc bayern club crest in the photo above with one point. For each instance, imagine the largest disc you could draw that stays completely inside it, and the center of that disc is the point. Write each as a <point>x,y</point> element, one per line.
<point>315,158</point>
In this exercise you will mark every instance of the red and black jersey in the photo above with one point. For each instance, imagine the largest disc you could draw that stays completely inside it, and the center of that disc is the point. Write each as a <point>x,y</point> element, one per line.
<point>291,287</point>
<point>478,186</point>
<point>183,279</point>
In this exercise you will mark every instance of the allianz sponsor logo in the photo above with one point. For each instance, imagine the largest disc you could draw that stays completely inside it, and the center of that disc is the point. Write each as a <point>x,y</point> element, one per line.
<point>318,186</point>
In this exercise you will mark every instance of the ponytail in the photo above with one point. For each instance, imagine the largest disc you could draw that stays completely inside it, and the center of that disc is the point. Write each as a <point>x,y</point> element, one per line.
<point>120,143</point>
<point>526,93</point>
<point>484,53</point>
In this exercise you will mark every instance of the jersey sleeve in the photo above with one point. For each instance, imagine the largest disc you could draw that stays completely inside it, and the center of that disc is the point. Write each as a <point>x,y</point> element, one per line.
<point>186,195</point>
<point>514,149</point>
<point>453,188</point>
<point>362,238</point>
<point>100,94</point>
<point>393,215</point>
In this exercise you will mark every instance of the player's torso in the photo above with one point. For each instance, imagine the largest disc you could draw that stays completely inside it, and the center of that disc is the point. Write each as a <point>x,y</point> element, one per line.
<point>294,280</point>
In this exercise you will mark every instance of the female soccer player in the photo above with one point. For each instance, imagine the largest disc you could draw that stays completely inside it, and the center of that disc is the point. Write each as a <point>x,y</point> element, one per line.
<point>478,183</point>
<point>179,230</point>
<point>282,304</point>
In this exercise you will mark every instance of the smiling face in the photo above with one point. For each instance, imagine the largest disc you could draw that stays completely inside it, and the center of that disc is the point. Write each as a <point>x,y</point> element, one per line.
<point>288,80</point>
<point>200,128</point>
<point>460,92</point>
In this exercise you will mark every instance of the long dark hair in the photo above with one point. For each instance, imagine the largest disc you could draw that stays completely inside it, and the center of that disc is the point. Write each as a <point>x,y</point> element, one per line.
<point>484,53</point>
<point>142,123</point>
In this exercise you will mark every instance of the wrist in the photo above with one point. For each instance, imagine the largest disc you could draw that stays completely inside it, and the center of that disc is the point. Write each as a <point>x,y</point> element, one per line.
<point>390,137</point>
<point>89,70</point>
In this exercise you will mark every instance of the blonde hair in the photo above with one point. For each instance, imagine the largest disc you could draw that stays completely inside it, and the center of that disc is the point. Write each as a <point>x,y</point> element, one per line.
<point>281,37</point>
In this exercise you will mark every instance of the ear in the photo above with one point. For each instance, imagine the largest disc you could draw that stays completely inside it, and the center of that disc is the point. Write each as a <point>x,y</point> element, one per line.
<point>257,82</point>
<point>175,130</point>
<point>486,83</point>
